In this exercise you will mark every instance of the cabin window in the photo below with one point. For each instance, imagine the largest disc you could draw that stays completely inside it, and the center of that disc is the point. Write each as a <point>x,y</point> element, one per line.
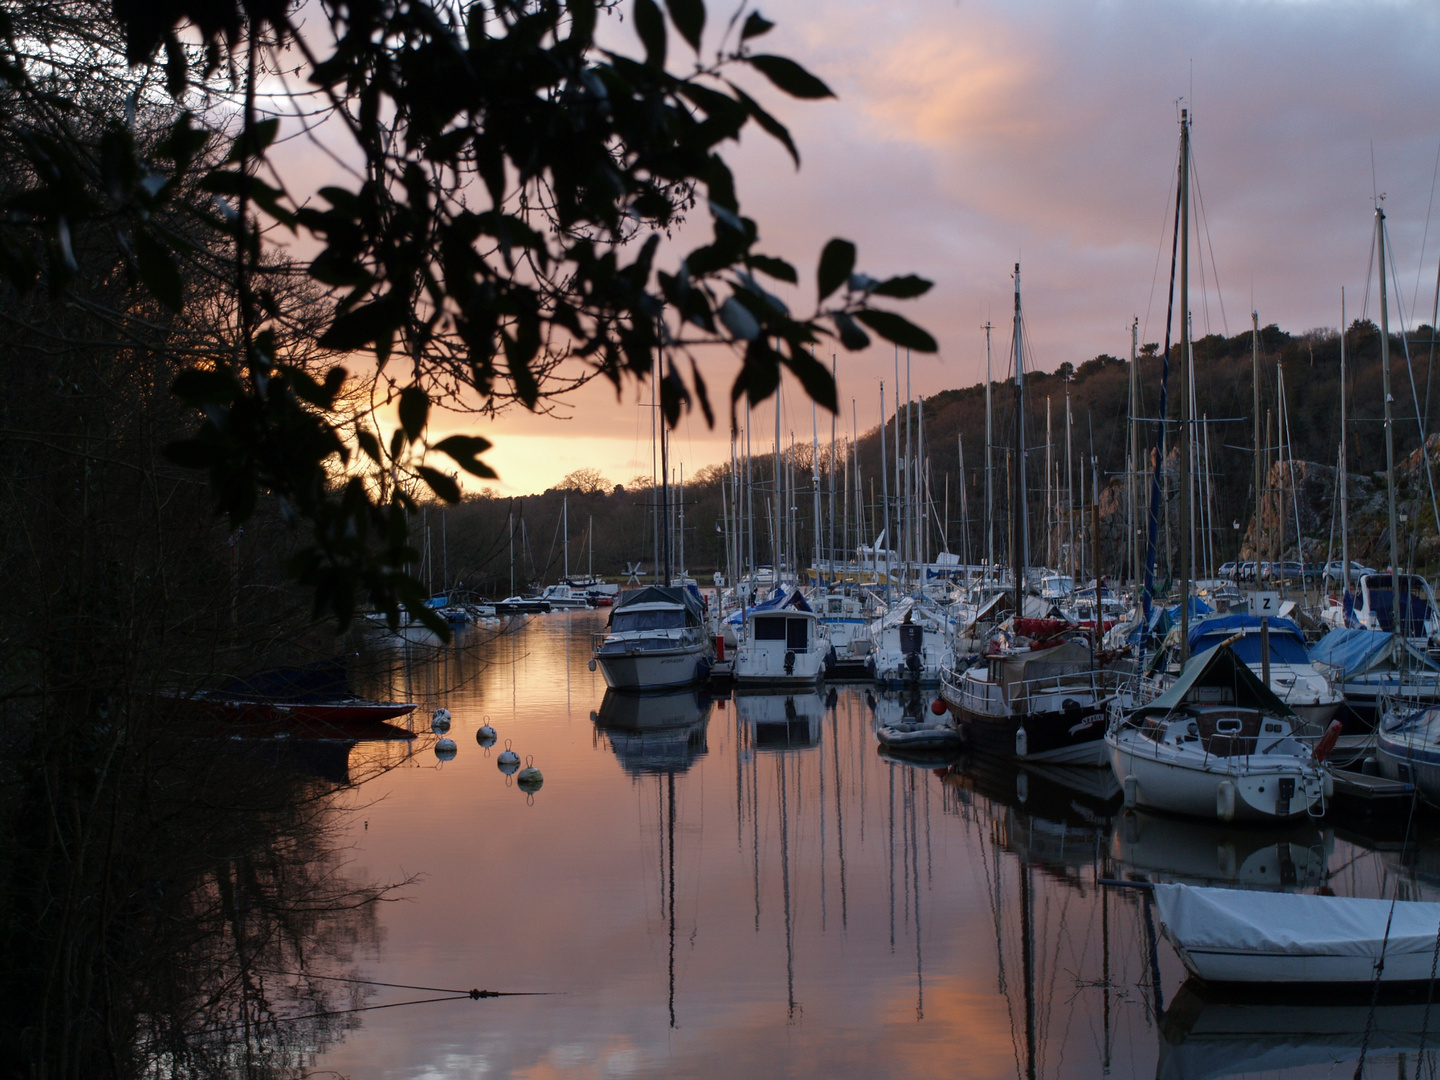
<point>770,628</point>
<point>797,634</point>
<point>836,605</point>
<point>624,622</point>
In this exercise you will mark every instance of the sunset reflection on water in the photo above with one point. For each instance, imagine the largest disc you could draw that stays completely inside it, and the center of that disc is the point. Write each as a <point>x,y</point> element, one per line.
<point>746,887</point>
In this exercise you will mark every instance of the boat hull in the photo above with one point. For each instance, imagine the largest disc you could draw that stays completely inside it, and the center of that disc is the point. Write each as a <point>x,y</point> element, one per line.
<point>1062,738</point>
<point>654,669</point>
<point>1235,936</point>
<point>1173,786</point>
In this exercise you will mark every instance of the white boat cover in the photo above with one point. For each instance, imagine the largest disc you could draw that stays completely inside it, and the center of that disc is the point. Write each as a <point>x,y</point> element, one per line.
<point>1237,922</point>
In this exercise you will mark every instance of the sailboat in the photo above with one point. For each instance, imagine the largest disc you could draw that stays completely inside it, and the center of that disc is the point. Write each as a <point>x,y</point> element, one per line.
<point>1041,698</point>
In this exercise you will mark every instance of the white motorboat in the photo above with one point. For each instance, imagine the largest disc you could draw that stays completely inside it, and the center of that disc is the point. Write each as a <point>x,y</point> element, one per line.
<point>1217,744</point>
<point>564,596</point>
<point>1374,608</point>
<point>910,645</point>
<point>521,605</point>
<point>781,643</point>
<point>655,638</point>
<point>845,616</point>
<point>1293,678</point>
<point>1241,936</point>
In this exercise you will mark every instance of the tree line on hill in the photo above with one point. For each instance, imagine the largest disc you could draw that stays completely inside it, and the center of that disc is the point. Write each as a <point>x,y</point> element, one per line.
<point>1303,428</point>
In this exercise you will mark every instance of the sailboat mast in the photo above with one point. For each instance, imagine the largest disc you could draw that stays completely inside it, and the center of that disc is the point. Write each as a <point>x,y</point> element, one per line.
<point>1020,537</point>
<point>1389,423</point>
<point>884,498</point>
<point>1134,450</point>
<point>832,477</point>
<point>564,528</point>
<point>989,463</point>
<point>1185,385</point>
<point>1259,447</point>
<point>1344,490</point>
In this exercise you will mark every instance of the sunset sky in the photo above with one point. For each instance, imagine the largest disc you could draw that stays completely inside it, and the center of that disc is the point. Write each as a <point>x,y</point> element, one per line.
<point>969,135</point>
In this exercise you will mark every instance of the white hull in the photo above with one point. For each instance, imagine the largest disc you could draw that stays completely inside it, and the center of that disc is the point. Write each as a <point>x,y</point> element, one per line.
<point>653,669</point>
<point>1238,936</point>
<point>1173,783</point>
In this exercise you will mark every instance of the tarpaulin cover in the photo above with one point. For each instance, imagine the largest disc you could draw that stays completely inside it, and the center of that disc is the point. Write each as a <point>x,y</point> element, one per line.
<point>315,683</point>
<point>1296,924</point>
<point>1287,643</point>
<point>1354,652</point>
<point>1217,667</point>
<point>660,594</point>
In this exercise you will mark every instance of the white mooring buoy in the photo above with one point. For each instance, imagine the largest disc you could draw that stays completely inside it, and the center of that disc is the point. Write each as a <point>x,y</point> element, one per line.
<point>530,779</point>
<point>440,721</point>
<point>446,749</point>
<point>508,761</point>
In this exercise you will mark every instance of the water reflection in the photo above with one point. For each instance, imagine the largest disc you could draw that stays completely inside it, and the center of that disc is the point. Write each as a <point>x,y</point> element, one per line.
<point>1158,848</point>
<point>1205,1036</point>
<point>756,890</point>
<point>654,733</point>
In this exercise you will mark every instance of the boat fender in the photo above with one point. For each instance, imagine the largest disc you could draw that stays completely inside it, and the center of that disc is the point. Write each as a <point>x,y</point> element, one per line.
<point>1327,786</point>
<point>592,663</point>
<point>440,721</point>
<point>446,749</point>
<point>789,662</point>
<point>1225,801</point>
<point>1132,792</point>
<point>1022,786</point>
<point>1328,740</point>
<point>529,778</point>
<point>1022,743</point>
<point>937,707</point>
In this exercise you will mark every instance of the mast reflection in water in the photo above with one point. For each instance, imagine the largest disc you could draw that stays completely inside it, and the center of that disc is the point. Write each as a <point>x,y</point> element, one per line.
<point>809,905</point>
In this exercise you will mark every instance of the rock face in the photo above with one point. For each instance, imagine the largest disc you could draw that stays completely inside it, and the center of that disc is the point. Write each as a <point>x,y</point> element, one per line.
<point>1303,490</point>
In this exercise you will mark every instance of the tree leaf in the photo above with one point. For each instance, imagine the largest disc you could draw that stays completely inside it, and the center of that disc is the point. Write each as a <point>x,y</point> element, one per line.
<point>196,386</point>
<point>898,329</point>
<point>903,288</point>
<point>836,262</point>
<point>463,449</point>
<point>768,123</point>
<point>738,320</point>
<point>755,25</point>
<point>779,269</point>
<point>158,272</point>
<point>851,336</point>
<point>689,18</point>
<point>789,76</point>
<point>414,409</point>
<point>650,25</point>
<point>815,377</point>
<point>441,483</point>
<point>365,325</point>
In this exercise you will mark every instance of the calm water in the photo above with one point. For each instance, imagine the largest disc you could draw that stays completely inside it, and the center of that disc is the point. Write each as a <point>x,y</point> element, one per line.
<point>747,888</point>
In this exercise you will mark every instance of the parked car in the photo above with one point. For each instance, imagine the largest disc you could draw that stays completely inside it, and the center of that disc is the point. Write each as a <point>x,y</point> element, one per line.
<point>1247,570</point>
<point>1335,573</point>
<point>1227,570</point>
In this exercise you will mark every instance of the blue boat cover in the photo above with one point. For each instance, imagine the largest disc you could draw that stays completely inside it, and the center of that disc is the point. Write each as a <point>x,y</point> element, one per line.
<point>1356,651</point>
<point>777,599</point>
<point>1287,643</point>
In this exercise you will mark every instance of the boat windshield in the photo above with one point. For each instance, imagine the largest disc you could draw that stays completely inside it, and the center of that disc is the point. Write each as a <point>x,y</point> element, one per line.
<point>626,622</point>
<point>1414,606</point>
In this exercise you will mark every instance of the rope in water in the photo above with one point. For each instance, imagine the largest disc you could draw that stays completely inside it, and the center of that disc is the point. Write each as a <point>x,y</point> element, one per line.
<point>474,994</point>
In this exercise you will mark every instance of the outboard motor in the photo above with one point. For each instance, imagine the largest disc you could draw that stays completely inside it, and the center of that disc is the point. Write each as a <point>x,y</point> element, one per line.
<point>912,639</point>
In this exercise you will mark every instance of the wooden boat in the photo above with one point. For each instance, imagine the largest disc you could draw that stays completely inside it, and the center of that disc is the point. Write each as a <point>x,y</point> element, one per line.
<point>1239,936</point>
